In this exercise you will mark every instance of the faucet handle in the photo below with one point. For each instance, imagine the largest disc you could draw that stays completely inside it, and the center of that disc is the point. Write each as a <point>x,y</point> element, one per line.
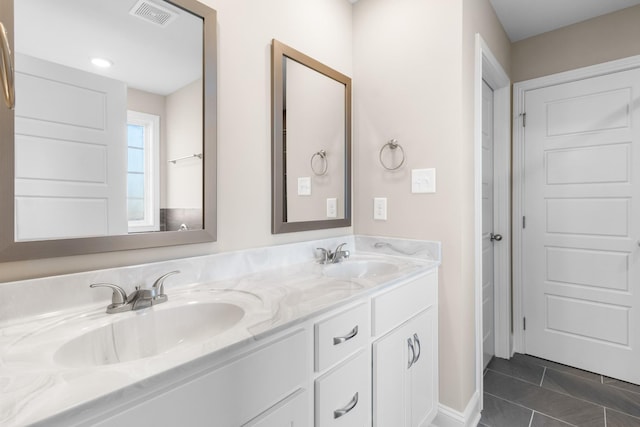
<point>325,254</point>
<point>158,285</point>
<point>339,248</point>
<point>119,296</point>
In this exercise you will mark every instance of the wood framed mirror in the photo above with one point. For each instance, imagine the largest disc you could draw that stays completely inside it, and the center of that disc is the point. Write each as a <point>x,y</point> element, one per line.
<point>311,143</point>
<point>79,171</point>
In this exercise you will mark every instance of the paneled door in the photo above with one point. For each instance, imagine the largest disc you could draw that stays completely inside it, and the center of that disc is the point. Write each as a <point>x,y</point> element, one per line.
<point>582,224</point>
<point>488,238</point>
<point>71,152</point>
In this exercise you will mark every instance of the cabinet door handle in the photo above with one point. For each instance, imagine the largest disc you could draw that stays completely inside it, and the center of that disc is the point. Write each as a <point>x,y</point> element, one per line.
<point>8,87</point>
<point>412,353</point>
<point>418,348</point>
<point>352,404</point>
<point>340,340</point>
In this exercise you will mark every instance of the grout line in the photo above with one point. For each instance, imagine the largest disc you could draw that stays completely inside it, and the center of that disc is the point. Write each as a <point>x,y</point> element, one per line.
<point>605,417</point>
<point>602,380</point>
<point>531,419</point>
<point>542,379</point>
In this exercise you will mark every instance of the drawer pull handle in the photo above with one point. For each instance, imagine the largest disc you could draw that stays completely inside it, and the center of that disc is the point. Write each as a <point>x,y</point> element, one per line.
<point>412,353</point>
<point>418,349</point>
<point>340,340</point>
<point>352,404</point>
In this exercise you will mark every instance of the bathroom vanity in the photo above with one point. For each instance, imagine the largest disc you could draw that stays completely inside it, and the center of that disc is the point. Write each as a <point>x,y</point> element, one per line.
<point>264,337</point>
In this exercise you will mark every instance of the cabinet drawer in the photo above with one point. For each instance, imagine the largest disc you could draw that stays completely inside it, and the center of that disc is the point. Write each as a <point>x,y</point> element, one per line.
<point>341,335</point>
<point>402,303</point>
<point>291,412</point>
<point>343,395</point>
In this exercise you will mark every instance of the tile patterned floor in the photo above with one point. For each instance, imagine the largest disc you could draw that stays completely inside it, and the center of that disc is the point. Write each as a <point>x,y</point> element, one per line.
<point>530,392</point>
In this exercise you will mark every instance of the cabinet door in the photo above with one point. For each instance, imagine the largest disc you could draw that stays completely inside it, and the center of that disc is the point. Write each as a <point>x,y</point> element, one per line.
<point>291,412</point>
<point>422,376</point>
<point>404,385</point>
<point>391,355</point>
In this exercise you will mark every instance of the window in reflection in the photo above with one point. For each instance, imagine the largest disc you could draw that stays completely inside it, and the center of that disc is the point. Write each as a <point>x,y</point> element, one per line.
<point>143,180</point>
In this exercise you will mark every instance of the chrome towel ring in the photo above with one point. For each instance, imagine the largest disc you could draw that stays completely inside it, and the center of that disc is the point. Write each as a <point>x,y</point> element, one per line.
<point>325,164</point>
<point>393,145</point>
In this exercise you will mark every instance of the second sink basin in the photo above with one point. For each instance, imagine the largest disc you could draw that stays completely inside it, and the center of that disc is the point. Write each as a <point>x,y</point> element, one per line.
<point>148,333</point>
<point>359,268</point>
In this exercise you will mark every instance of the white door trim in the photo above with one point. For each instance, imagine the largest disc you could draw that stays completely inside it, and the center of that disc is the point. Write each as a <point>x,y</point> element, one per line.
<point>519,92</point>
<point>488,68</point>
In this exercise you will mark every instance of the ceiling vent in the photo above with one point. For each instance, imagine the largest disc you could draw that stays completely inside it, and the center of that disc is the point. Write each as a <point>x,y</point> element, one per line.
<point>152,12</point>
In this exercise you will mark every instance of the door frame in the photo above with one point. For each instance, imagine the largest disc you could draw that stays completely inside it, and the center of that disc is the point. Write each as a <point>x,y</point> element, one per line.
<point>520,90</point>
<point>488,68</point>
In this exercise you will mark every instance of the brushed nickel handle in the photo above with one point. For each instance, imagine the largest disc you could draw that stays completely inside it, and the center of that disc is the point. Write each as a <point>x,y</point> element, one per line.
<point>418,348</point>
<point>119,296</point>
<point>8,86</point>
<point>340,340</point>
<point>412,353</point>
<point>496,237</point>
<point>352,404</point>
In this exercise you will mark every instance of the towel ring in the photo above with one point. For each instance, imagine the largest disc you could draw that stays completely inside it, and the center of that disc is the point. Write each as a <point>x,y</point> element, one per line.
<point>392,144</point>
<point>323,155</point>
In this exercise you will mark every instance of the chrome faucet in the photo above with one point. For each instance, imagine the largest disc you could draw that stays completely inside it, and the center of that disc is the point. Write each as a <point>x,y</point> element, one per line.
<point>328,257</point>
<point>139,299</point>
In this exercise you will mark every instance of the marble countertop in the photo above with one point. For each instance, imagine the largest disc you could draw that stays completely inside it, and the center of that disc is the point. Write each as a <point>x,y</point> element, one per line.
<point>36,382</point>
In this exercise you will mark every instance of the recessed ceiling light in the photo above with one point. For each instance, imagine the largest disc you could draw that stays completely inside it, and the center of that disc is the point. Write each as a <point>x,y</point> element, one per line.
<point>101,62</point>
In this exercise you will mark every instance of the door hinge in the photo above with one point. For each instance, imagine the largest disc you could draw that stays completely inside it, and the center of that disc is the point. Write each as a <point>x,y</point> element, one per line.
<point>524,323</point>
<point>524,120</point>
<point>524,222</point>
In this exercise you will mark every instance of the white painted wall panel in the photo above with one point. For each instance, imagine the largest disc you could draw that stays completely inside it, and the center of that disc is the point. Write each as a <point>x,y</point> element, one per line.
<point>596,112</point>
<point>589,268</point>
<point>584,318</point>
<point>602,217</point>
<point>603,164</point>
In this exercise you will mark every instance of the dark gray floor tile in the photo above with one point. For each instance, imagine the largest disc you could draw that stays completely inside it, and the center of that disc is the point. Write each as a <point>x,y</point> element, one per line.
<point>558,367</point>
<point>519,368</point>
<point>616,419</point>
<point>600,394</point>
<point>540,420</point>
<point>557,405</point>
<point>498,412</point>
<point>622,384</point>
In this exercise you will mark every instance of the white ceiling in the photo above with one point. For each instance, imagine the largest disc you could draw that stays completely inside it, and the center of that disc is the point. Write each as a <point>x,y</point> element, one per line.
<point>526,18</point>
<point>145,56</point>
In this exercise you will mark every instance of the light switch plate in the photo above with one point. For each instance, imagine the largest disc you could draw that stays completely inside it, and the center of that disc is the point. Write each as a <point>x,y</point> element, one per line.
<point>380,208</point>
<point>332,207</point>
<point>304,186</point>
<point>423,180</point>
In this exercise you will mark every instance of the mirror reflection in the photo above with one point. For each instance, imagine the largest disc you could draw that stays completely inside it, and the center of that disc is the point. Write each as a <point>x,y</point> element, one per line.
<point>108,118</point>
<point>311,143</point>
<point>313,139</point>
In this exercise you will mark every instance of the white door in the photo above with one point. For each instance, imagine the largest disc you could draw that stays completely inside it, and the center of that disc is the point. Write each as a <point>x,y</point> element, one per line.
<point>488,336</point>
<point>71,152</point>
<point>582,229</point>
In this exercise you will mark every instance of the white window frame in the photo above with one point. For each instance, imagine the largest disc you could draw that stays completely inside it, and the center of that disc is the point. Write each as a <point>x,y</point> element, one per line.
<point>151,124</point>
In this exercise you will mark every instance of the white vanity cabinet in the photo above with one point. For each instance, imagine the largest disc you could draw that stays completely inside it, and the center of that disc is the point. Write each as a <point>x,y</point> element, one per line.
<point>372,361</point>
<point>405,381</point>
<point>232,394</point>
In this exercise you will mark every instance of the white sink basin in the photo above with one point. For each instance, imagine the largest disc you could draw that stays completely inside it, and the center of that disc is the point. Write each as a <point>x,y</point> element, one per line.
<point>360,268</point>
<point>148,333</point>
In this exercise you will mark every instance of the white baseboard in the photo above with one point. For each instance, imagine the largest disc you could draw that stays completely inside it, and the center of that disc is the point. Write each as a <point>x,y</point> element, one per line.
<point>448,417</point>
